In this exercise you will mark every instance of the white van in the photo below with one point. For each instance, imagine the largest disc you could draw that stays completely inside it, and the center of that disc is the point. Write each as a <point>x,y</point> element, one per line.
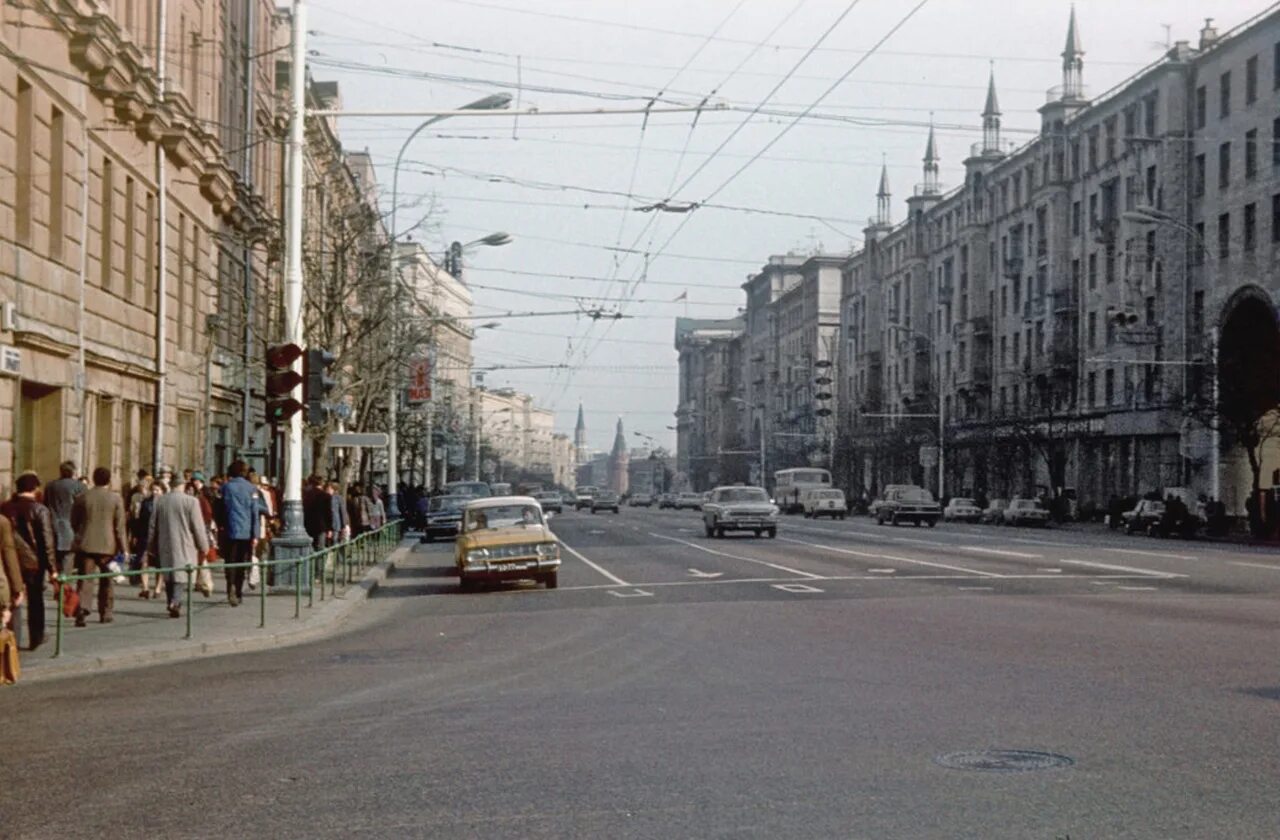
<point>824,501</point>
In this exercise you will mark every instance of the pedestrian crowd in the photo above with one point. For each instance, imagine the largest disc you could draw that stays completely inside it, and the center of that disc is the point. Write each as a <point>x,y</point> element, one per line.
<point>81,526</point>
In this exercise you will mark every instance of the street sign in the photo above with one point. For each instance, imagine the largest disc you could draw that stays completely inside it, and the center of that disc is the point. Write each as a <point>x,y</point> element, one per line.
<point>373,439</point>
<point>928,457</point>
<point>419,380</point>
<point>457,455</point>
<point>489,466</point>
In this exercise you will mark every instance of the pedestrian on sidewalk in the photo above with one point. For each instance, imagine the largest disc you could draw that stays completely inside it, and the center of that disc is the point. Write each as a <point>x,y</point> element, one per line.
<point>178,539</point>
<point>34,541</point>
<point>139,528</point>
<point>340,525</point>
<point>99,522</point>
<point>59,497</point>
<point>377,512</point>
<point>358,510</point>
<point>240,500</point>
<point>195,489</point>
<point>12,590</point>
<point>317,513</point>
<point>266,530</point>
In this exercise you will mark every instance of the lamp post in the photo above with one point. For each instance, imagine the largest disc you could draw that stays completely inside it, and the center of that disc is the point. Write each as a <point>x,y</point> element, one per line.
<point>488,103</point>
<point>1151,216</point>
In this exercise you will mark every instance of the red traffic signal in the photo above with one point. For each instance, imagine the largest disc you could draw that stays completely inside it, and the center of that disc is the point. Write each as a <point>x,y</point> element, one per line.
<point>281,381</point>
<point>281,356</point>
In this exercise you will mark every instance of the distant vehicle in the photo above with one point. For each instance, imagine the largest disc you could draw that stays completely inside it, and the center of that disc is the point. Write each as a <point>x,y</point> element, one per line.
<point>640,500</point>
<point>788,485</point>
<point>961,510</point>
<point>550,501</point>
<point>1026,512</point>
<point>604,500</point>
<point>506,538</point>
<point>529,489</point>
<point>666,500</point>
<point>739,508</point>
<point>476,489</point>
<point>688,501</point>
<point>909,504</point>
<point>501,489</point>
<point>873,509</point>
<point>585,494</point>
<point>1147,514</point>
<point>444,517</point>
<point>824,502</point>
<point>994,514</point>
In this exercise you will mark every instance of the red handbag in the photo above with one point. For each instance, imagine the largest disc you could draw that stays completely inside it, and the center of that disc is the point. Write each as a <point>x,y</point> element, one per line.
<point>70,600</point>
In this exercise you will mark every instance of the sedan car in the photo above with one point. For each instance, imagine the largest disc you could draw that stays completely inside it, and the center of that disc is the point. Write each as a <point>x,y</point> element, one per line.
<point>604,500</point>
<point>908,504</point>
<point>1149,512</point>
<point>667,500</point>
<point>994,514</point>
<point>550,500</point>
<point>585,494</point>
<point>640,500</point>
<point>961,510</point>
<point>443,517</point>
<point>1026,512</point>
<point>739,509</point>
<point>506,538</point>
<point>688,501</point>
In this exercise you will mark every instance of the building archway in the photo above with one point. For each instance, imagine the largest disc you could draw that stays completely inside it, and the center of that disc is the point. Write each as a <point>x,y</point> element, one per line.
<point>1248,387</point>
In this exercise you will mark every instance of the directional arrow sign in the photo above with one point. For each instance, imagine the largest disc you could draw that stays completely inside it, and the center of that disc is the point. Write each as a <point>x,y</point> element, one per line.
<point>698,573</point>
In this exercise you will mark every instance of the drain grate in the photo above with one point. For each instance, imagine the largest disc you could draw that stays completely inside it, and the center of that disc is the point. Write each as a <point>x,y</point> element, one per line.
<point>1003,761</point>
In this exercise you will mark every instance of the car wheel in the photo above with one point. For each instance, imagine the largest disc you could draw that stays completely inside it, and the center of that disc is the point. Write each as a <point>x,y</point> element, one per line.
<point>466,584</point>
<point>551,580</point>
<point>932,522</point>
<point>757,532</point>
<point>772,532</point>
<point>893,519</point>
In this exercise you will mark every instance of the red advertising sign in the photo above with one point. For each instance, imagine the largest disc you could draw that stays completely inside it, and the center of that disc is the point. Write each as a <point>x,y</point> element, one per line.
<point>419,380</point>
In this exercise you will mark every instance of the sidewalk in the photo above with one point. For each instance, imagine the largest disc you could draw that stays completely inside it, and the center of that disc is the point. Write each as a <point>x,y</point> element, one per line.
<point>144,634</point>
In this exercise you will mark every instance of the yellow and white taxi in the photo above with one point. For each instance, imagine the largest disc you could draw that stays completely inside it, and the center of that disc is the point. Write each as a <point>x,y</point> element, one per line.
<point>506,538</point>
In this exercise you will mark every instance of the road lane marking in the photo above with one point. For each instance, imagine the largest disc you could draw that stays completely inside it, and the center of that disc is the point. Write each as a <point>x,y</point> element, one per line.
<point>1137,588</point>
<point>634,593</point>
<point>881,571</point>
<point>736,556</point>
<point>1001,552</point>
<point>1052,571</point>
<point>698,573</point>
<point>1129,569</point>
<point>894,558</point>
<point>1105,580</point>
<point>976,588</point>
<point>795,587</point>
<point>1163,555</point>
<point>610,575</point>
<point>1254,565</point>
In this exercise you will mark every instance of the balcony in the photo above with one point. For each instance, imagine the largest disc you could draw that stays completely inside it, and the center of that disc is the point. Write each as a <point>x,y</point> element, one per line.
<point>1034,308</point>
<point>1104,230</point>
<point>980,325</point>
<point>945,291</point>
<point>1013,267</point>
<point>1065,300</point>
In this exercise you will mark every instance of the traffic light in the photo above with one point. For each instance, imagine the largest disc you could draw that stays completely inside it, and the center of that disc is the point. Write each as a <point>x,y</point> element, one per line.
<point>281,381</point>
<point>319,384</point>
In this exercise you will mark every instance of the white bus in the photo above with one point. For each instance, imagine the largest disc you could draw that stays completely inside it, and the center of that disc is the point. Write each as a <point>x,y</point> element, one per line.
<point>789,486</point>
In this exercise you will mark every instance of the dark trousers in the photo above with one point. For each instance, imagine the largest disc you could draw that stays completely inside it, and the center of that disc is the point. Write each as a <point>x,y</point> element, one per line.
<point>238,551</point>
<point>34,582</point>
<point>173,589</point>
<point>87,564</point>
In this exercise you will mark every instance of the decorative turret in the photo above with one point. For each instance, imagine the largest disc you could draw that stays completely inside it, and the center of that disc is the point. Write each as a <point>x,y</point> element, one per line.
<point>1073,62</point>
<point>991,117</point>
<point>580,438</point>
<point>882,197</point>
<point>931,159</point>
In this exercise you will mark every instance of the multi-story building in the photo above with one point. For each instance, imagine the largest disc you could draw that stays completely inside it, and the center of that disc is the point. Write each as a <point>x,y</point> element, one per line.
<point>708,421</point>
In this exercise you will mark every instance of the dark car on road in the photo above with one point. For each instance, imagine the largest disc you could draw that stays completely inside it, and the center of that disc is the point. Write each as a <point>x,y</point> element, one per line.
<point>908,504</point>
<point>550,501</point>
<point>444,517</point>
<point>604,500</point>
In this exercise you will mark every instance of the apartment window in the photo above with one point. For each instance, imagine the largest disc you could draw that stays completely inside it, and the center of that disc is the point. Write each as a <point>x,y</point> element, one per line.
<point>1093,330</point>
<point>106,205</point>
<point>1251,153</point>
<point>1093,272</point>
<point>1251,80</point>
<point>24,163</point>
<point>130,239</point>
<point>1109,389</point>
<point>1004,399</point>
<point>1109,264</point>
<point>1093,208</point>
<point>1150,106</point>
<point>1224,95</point>
<point>1224,235</point>
<point>1110,127</point>
<point>1250,226</point>
<point>149,257</point>
<point>1197,314</point>
<point>1075,218</point>
<point>1092,388</point>
<point>1275,66</point>
<point>1224,165</point>
<point>1275,143</point>
<point>1151,249</point>
<point>1151,186</point>
<point>1017,347</point>
<point>1039,338</point>
<point>1198,176</point>
<point>1275,218</point>
<point>1130,121</point>
<point>57,182</point>
<point>1004,351</point>
<point>1197,250</point>
<point>1075,277</point>
<point>1093,148</point>
<point>1200,107</point>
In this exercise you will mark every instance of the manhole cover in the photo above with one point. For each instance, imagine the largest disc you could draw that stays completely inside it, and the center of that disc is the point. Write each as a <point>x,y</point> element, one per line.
<point>1003,761</point>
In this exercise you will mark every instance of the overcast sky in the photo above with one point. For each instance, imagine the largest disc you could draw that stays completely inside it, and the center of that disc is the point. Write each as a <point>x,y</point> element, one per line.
<point>584,247</point>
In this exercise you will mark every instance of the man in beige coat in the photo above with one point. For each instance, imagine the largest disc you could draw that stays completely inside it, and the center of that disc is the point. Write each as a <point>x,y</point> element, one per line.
<point>178,538</point>
<point>99,522</point>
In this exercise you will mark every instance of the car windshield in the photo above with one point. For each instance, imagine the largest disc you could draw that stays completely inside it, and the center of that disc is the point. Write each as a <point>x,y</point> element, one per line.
<point>999,504</point>
<point>1026,504</point>
<point>501,516</point>
<point>1155,506</point>
<point>743,494</point>
<point>548,497</point>
<point>962,502</point>
<point>915,494</point>
<point>690,496</point>
<point>469,488</point>
<point>445,503</point>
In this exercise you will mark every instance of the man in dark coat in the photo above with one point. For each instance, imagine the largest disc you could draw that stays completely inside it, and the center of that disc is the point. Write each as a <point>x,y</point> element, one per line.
<point>59,497</point>
<point>34,540</point>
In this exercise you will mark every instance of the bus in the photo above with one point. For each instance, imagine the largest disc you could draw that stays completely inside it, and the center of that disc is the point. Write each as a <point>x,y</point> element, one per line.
<point>789,486</point>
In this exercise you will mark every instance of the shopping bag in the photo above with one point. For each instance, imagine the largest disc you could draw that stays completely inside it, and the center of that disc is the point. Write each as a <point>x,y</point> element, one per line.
<point>117,565</point>
<point>10,666</point>
<point>70,600</point>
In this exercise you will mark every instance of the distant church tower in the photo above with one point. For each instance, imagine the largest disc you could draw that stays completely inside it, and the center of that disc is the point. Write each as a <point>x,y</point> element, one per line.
<point>580,439</point>
<point>619,461</point>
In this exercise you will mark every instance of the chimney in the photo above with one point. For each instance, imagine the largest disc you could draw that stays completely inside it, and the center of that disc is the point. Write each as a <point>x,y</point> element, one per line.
<point>1208,35</point>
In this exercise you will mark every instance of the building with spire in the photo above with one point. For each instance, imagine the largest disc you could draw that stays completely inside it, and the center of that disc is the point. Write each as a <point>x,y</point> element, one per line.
<point>580,439</point>
<point>619,459</point>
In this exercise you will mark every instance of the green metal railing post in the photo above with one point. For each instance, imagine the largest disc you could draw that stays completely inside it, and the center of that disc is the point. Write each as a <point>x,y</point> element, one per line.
<point>297,588</point>
<point>312,560</point>
<point>189,588</point>
<point>262,594</point>
<point>57,633</point>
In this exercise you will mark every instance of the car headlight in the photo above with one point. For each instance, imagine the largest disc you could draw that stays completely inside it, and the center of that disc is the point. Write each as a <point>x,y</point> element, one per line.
<point>477,555</point>
<point>548,550</point>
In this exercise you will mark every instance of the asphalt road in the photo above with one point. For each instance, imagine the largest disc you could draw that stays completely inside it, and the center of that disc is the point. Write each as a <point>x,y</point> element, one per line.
<point>679,686</point>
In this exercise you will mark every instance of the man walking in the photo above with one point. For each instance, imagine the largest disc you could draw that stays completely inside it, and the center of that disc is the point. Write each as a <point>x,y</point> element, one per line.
<point>59,497</point>
<point>34,540</point>
<point>178,538</point>
<point>99,522</point>
<point>241,507</point>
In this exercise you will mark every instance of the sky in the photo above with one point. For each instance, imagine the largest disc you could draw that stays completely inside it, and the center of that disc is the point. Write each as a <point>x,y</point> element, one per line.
<point>842,87</point>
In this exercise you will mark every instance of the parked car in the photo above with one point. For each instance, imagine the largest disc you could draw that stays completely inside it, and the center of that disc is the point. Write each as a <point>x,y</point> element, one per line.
<point>1147,514</point>
<point>1026,512</point>
<point>550,501</point>
<point>961,509</point>
<point>688,501</point>
<point>444,517</point>
<point>994,514</point>
<point>585,494</point>
<point>824,502</point>
<point>739,508</point>
<point>873,509</point>
<point>640,500</point>
<point>666,500</point>
<point>506,538</point>
<point>604,500</point>
<point>909,504</point>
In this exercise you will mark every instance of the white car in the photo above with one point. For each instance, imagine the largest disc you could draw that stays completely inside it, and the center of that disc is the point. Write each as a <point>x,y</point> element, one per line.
<point>1026,512</point>
<point>739,508</point>
<point>824,502</point>
<point>961,510</point>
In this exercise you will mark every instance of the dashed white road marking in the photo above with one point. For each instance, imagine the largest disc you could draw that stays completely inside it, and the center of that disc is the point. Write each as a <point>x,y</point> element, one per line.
<point>1254,565</point>
<point>736,556</point>
<point>977,588</point>
<point>795,587</point>
<point>1163,555</point>
<point>610,575</point>
<point>1001,552</point>
<point>894,558</point>
<point>1052,571</point>
<point>1129,569</point>
<point>1137,588</point>
<point>881,571</point>
<point>634,593</point>
<point>698,573</point>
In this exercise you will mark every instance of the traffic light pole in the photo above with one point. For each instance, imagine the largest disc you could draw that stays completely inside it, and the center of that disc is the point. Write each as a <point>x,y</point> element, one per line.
<point>293,540</point>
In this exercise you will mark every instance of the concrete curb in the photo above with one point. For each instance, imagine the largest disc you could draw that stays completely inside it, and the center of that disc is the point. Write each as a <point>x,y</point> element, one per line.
<point>327,615</point>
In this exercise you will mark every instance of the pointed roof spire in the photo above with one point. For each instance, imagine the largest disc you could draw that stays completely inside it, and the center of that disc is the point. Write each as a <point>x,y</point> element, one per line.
<point>992,108</point>
<point>883,192</point>
<point>619,439</point>
<point>1073,49</point>
<point>582,424</point>
<point>931,147</point>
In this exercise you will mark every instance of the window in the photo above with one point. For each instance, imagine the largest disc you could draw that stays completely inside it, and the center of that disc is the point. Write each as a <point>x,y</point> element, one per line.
<point>1110,127</point>
<point>149,257</point>
<point>1224,165</point>
<point>1109,264</point>
<point>1093,148</point>
<point>1093,271</point>
<point>1075,218</point>
<point>1200,241</point>
<point>1109,390</point>
<point>107,233</point>
<point>1251,153</point>
<point>1250,226</point>
<point>1130,121</point>
<point>1039,338</point>
<point>1224,235</point>
<point>1017,347</point>
<point>1092,388</point>
<point>1224,95</point>
<point>1151,187</point>
<point>1093,330</point>
<point>1151,249</point>
<point>1200,107</point>
<point>130,236</point>
<point>1275,143</point>
<point>1198,176</point>
<point>1150,105</point>
<point>1004,351</point>
<point>1151,311</point>
<point>57,182</point>
<point>24,162</point>
<point>1197,314</point>
<point>1275,66</point>
<point>1251,80</point>
<point>1075,277</point>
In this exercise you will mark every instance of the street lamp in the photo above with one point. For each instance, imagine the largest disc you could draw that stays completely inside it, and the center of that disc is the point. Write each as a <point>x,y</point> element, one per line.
<point>488,103</point>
